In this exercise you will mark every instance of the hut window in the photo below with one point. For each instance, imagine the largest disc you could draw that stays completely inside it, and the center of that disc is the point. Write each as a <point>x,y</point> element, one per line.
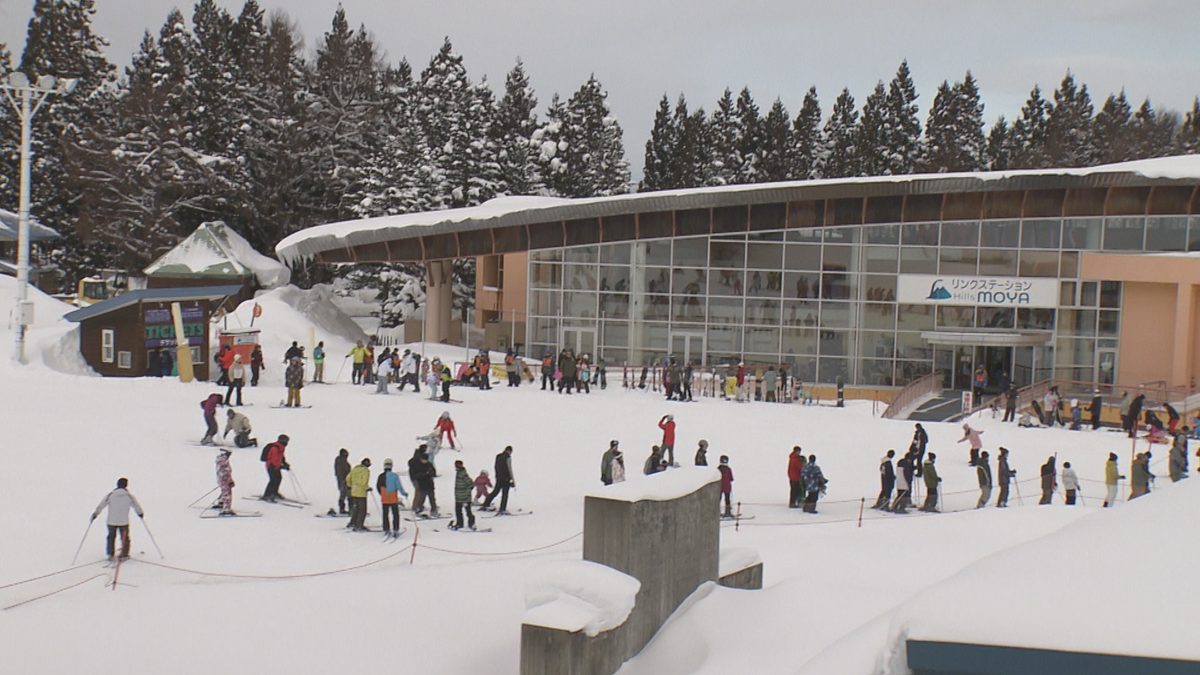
<point>107,340</point>
<point>125,360</point>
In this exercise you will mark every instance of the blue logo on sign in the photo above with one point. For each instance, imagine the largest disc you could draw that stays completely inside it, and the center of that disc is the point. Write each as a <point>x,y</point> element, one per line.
<point>938,291</point>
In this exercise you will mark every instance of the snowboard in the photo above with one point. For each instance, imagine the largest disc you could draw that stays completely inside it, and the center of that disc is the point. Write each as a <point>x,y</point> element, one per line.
<point>238,514</point>
<point>514,512</point>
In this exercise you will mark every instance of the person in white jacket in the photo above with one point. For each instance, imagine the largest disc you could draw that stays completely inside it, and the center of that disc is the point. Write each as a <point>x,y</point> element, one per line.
<point>239,424</point>
<point>1070,483</point>
<point>382,370</point>
<point>118,502</point>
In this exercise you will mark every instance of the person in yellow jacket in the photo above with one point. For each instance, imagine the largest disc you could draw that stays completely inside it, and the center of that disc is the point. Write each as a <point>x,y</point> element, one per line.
<point>359,354</point>
<point>1111,476</point>
<point>359,482</point>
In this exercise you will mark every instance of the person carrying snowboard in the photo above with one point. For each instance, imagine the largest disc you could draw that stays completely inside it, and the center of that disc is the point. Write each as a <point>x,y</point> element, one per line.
<point>118,503</point>
<point>225,482</point>
<point>239,424</point>
<point>445,428</point>
<point>667,424</point>
<point>887,481</point>
<point>276,463</point>
<point>209,406</point>
<point>462,496</point>
<point>359,482</point>
<point>390,491</point>
<point>726,486</point>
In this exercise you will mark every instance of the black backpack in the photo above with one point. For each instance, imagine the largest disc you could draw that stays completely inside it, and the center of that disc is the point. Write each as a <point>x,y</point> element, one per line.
<point>267,451</point>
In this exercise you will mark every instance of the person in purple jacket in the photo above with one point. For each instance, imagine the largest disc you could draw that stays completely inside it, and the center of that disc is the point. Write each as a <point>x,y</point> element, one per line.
<point>209,405</point>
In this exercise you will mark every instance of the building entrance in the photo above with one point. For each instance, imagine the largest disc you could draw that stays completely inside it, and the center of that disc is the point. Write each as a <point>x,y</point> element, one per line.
<point>1002,365</point>
<point>582,340</point>
<point>688,347</point>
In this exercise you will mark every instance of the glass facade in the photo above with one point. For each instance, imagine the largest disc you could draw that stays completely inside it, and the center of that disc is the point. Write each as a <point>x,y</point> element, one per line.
<point>823,299</point>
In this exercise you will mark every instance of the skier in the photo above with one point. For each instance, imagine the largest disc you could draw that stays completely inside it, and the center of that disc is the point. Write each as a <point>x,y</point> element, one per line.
<point>294,379</point>
<point>118,502</point>
<point>209,405</point>
<point>972,435</point>
<point>606,462</point>
<point>654,462</point>
<point>483,364</point>
<point>794,468</point>
<point>358,353</point>
<point>256,365</point>
<point>983,471</point>
<point>702,454</point>
<point>276,464</point>
<point>1179,458</point>
<point>421,473</point>
<point>222,365</point>
<point>390,491</point>
<point>383,370</point>
<point>667,424</point>
<point>919,442</point>
<point>319,363</point>
<point>239,424</point>
<point>445,428</point>
<point>368,365</point>
<point>483,483</point>
<point>462,496</point>
<point>904,478</point>
<point>726,485</point>
<point>341,469</point>
<point>1070,483</point>
<point>930,476</point>
<point>504,481</point>
<point>512,369</point>
<point>887,481</point>
<point>814,484</point>
<point>1140,483</point>
<point>444,376</point>
<point>236,378</point>
<point>1049,481</point>
<point>359,482</point>
<point>225,482</point>
<point>548,370</point>
<point>1005,475</point>
<point>1111,477</point>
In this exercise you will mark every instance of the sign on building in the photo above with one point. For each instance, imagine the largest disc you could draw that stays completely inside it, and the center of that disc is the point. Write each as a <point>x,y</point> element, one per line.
<point>931,289</point>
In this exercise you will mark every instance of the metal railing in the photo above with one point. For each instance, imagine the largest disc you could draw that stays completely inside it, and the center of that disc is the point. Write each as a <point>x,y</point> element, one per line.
<point>1184,399</point>
<point>930,384</point>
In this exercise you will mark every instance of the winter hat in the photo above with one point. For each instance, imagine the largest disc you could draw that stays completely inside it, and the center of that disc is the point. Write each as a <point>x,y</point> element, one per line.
<point>703,443</point>
<point>122,482</point>
<point>1074,402</point>
<point>724,459</point>
<point>387,463</point>
<point>613,444</point>
<point>230,412</point>
<point>366,461</point>
<point>237,357</point>
<point>283,438</point>
<point>458,464</point>
<point>484,472</point>
<point>1112,456</point>
<point>446,415</point>
<point>670,418</point>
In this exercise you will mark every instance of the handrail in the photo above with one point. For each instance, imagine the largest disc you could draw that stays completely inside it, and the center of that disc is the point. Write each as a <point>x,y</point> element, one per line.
<point>914,391</point>
<point>1184,399</point>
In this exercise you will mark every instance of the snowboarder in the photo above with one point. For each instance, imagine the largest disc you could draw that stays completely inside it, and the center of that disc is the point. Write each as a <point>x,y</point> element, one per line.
<point>1049,481</point>
<point>276,464</point>
<point>983,471</point>
<point>294,379</point>
<point>726,485</point>
<point>237,379</point>
<point>904,478</point>
<point>887,481</point>
<point>341,469</point>
<point>225,482</point>
<point>930,476</point>
<point>606,462</point>
<point>653,462</point>
<point>1070,483</point>
<point>702,454</point>
<point>1140,483</point>
<point>1179,458</point>
<point>118,502</point>
<point>359,482</point>
<point>667,424</point>
<point>1111,478</point>
<point>390,491</point>
<point>445,428</point>
<point>1005,475</point>
<point>548,370</point>
<point>504,480</point>
<point>319,363</point>
<point>814,484</point>
<point>209,406</point>
<point>483,483</point>
<point>794,468</point>
<point>239,424</point>
<point>256,365</point>
<point>462,496</point>
<point>976,443</point>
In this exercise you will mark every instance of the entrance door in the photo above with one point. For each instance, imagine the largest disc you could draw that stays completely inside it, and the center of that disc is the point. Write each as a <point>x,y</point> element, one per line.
<point>688,347</point>
<point>998,362</point>
<point>582,340</point>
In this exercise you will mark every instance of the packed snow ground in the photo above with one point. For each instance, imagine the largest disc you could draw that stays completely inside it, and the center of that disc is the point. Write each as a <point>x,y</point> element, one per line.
<point>456,605</point>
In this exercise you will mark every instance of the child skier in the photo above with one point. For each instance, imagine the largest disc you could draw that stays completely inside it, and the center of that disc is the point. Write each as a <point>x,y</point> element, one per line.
<point>726,485</point>
<point>462,496</point>
<point>483,484</point>
<point>445,428</point>
<point>225,482</point>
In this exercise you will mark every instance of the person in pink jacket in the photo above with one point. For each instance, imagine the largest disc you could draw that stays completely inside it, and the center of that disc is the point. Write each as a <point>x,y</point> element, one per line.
<point>483,484</point>
<point>972,435</point>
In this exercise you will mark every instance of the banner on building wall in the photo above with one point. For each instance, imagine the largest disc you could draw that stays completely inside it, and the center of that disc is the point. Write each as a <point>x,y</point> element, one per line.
<point>931,289</point>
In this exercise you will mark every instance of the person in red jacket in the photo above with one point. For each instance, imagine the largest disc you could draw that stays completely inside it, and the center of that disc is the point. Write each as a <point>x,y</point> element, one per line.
<point>445,428</point>
<point>795,466</point>
<point>667,424</point>
<point>726,485</point>
<point>276,465</point>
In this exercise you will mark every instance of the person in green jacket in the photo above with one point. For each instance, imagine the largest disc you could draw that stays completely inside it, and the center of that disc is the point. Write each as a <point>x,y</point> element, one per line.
<point>462,496</point>
<point>929,473</point>
<point>319,363</point>
<point>359,482</point>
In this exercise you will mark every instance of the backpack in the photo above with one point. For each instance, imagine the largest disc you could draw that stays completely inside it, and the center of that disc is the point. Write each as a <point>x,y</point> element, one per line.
<point>267,451</point>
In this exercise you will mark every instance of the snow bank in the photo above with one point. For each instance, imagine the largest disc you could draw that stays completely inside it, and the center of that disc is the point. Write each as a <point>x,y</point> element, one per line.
<point>51,341</point>
<point>216,249</point>
<point>580,596</point>
<point>661,486</point>
<point>736,559</point>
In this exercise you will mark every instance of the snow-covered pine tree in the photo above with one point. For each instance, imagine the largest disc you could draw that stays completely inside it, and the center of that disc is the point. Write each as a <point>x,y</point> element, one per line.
<point>446,103</point>
<point>693,161</point>
<point>998,154</point>
<point>1029,134</point>
<point>954,131</point>
<point>806,138</point>
<point>839,153</point>
<point>1112,135</point>
<point>723,135</point>
<point>516,122</point>
<point>398,288</point>
<point>552,145</point>
<point>593,157</point>
<point>870,139</point>
<point>1153,133</point>
<point>10,139</point>
<point>661,151</point>
<point>1069,126</point>
<point>748,140</point>
<point>214,79</point>
<point>1188,141</point>
<point>777,150</point>
<point>900,127</point>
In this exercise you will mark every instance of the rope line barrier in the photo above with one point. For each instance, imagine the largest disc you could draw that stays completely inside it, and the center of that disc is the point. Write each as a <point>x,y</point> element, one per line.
<point>46,595</point>
<point>47,576</point>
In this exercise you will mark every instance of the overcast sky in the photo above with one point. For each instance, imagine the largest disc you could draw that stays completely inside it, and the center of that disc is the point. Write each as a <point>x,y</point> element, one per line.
<point>641,49</point>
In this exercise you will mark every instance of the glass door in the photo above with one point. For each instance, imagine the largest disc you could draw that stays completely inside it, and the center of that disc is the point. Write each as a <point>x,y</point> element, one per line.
<point>582,340</point>
<point>688,347</point>
<point>1106,366</point>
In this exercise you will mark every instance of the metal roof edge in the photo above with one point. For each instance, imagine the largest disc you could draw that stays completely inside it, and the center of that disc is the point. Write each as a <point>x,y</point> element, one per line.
<point>152,295</point>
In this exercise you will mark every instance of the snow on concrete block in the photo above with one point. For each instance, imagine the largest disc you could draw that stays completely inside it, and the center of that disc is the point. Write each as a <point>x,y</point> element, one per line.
<point>660,487</point>
<point>737,558</point>
<point>580,596</point>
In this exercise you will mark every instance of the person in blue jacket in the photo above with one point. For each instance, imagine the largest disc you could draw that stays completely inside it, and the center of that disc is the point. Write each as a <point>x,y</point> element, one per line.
<point>390,491</point>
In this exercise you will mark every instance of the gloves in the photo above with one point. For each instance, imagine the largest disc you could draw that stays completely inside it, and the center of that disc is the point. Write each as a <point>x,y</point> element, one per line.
<point>285,466</point>
<point>94,515</point>
<point>142,516</point>
<point>232,484</point>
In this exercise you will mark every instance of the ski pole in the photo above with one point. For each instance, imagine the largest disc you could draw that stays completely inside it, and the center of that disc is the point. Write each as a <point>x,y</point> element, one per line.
<point>203,496</point>
<point>152,541</point>
<point>1017,487</point>
<point>296,484</point>
<point>342,369</point>
<point>85,534</point>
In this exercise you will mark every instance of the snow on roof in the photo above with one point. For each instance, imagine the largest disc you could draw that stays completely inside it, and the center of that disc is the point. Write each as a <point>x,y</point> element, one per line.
<point>522,210</point>
<point>215,250</point>
<point>10,223</point>
<point>579,595</point>
<point>1079,588</point>
<point>660,486</point>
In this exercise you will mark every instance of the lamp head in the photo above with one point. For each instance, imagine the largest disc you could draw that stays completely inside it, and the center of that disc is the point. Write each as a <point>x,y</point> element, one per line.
<point>47,82</point>
<point>18,80</point>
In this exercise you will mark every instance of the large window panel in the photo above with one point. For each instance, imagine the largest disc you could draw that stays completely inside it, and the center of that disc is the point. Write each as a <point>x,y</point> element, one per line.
<point>1038,264</point>
<point>1000,234</point>
<point>837,257</point>
<point>724,342</point>
<point>654,252</point>
<point>579,277</point>
<point>879,288</point>
<point>876,344</point>
<point>841,235</point>
<point>1035,319</point>
<point>955,317</point>
<point>725,310</point>
<point>544,330</point>
<point>546,255</point>
<point>1082,233</point>
<point>1069,264</point>
<point>958,261</point>
<point>1166,233</point>
<point>960,234</point>
<point>1040,233</point>
<point>1070,352</point>
<point>799,341</point>
<point>656,307</point>
<point>617,254</point>
<point>918,260</point>
<point>1077,322</point>
<point>1124,234</point>
<point>614,278</point>
<point>875,372</point>
<point>543,275</point>
<point>913,346</point>
<point>763,284</point>
<point>835,314</point>
<point>582,254</point>
<point>545,303</point>
<point>763,340</point>
<point>726,282</point>
<point>800,313</point>
<point>838,286</point>
<point>802,368</point>
<point>833,343</point>
<point>614,341</point>
<point>688,309</point>
<point>727,254</point>
<point>829,370</point>
<point>879,315</point>
<point>919,234</point>
<point>614,305</point>
<point>688,282</point>
<point>656,280</point>
<point>802,285</point>
<point>880,258</point>
<point>908,372</point>
<point>1109,324</point>
<point>764,255</point>
<point>914,317</point>
<point>802,257</point>
<point>577,304</point>
<point>763,312</point>
<point>1110,294</point>
<point>691,252</point>
<point>995,317</point>
<point>882,234</point>
<point>997,262</point>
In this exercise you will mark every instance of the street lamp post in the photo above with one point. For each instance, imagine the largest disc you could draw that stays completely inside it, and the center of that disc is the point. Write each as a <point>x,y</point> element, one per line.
<point>27,100</point>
